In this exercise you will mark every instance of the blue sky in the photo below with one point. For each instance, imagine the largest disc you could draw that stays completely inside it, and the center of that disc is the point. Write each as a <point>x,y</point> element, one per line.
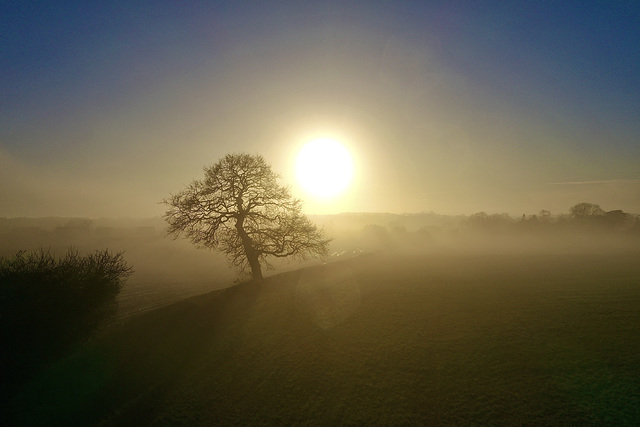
<point>455,107</point>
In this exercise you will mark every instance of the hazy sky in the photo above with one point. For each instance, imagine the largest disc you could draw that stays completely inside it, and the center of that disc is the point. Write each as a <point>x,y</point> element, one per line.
<point>452,107</point>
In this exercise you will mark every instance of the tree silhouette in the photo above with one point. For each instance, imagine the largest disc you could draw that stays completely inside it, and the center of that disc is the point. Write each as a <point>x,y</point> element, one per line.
<point>240,210</point>
<point>584,210</point>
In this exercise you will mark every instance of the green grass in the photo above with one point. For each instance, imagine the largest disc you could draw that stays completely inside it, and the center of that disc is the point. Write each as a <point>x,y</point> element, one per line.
<point>446,339</point>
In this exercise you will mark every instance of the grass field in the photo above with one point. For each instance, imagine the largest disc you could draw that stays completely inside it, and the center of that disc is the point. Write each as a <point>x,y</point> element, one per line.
<point>392,340</point>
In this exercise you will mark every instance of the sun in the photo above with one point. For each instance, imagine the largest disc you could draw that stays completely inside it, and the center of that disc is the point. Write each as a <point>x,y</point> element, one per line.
<point>324,168</point>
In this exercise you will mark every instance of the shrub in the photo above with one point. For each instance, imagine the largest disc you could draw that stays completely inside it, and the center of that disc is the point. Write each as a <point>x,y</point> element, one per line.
<point>47,304</point>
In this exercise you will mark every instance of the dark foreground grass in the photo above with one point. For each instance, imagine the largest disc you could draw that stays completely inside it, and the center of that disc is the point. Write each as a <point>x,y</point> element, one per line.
<point>458,339</point>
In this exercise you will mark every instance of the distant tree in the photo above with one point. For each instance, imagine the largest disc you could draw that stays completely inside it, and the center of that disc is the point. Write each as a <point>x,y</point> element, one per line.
<point>544,215</point>
<point>493,222</point>
<point>479,219</point>
<point>240,210</point>
<point>585,210</point>
<point>618,220</point>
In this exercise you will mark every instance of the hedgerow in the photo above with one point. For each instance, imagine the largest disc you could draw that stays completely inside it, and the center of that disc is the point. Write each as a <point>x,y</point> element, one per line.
<point>49,303</point>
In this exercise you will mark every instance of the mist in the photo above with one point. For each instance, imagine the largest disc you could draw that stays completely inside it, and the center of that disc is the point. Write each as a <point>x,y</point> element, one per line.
<point>168,269</point>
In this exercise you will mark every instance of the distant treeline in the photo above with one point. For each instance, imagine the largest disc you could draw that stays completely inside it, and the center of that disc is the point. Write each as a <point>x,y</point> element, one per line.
<point>55,228</point>
<point>31,233</point>
<point>157,255</point>
<point>586,227</point>
<point>582,217</point>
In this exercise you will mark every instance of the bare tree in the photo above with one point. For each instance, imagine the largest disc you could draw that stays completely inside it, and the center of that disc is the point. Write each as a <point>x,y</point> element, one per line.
<point>240,210</point>
<point>584,210</point>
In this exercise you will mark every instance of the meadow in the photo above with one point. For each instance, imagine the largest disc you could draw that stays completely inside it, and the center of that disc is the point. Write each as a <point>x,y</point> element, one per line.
<point>462,338</point>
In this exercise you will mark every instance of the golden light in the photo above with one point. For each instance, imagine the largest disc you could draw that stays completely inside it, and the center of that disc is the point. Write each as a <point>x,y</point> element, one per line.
<point>324,168</point>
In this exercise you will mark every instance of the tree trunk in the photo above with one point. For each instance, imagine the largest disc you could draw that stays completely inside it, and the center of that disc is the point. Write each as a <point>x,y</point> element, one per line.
<point>256,269</point>
<point>249,251</point>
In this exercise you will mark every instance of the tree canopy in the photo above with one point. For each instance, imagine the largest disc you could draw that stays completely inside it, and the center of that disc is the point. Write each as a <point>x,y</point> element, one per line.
<point>240,210</point>
<point>585,210</point>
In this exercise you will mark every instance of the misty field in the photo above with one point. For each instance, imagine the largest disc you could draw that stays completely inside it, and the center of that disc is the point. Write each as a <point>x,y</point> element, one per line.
<point>379,339</point>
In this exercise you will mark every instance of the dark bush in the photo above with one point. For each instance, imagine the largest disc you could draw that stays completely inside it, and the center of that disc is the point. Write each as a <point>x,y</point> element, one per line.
<point>48,304</point>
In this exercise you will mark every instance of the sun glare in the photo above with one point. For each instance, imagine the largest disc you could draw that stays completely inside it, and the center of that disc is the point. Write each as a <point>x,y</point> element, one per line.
<point>324,168</point>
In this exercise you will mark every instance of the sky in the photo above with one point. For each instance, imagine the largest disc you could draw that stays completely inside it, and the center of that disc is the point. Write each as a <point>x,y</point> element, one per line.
<point>454,107</point>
